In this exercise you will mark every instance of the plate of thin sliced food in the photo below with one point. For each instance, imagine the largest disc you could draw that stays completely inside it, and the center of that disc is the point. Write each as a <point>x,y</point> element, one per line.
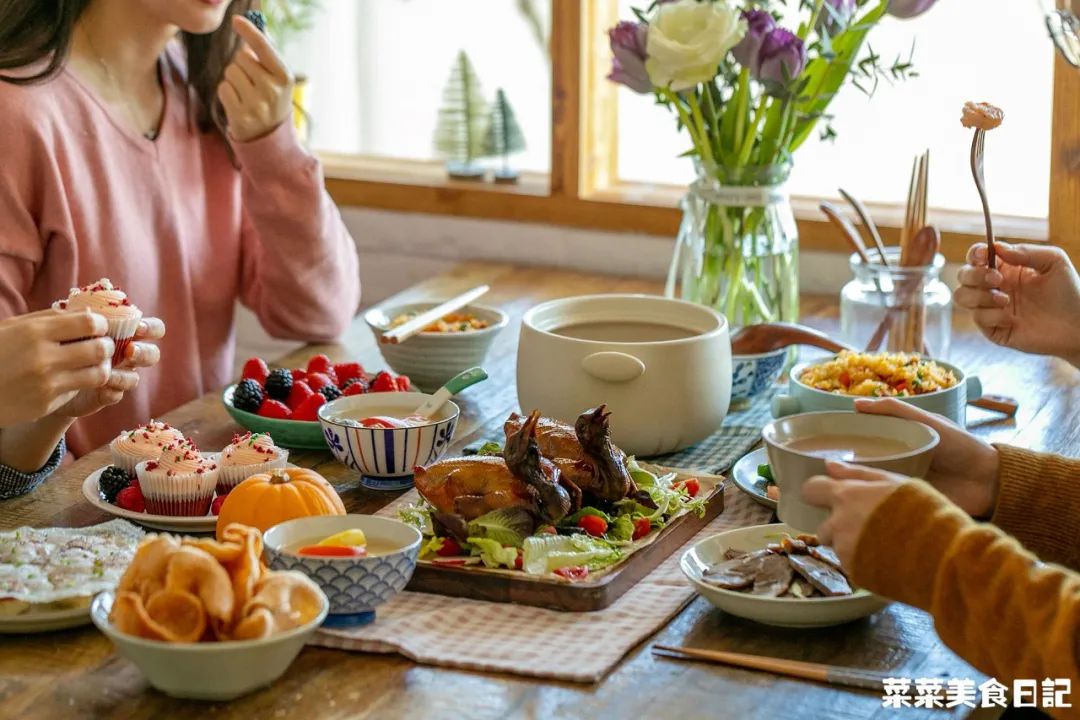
<point>774,575</point>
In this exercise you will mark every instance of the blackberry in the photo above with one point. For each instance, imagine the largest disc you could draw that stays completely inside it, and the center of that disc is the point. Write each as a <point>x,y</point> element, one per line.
<point>257,19</point>
<point>330,392</point>
<point>112,481</point>
<point>248,396</point>
<point>278,384</point>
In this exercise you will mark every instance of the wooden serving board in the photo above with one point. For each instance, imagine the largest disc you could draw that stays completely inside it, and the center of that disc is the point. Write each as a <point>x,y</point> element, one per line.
<point>594,593</point>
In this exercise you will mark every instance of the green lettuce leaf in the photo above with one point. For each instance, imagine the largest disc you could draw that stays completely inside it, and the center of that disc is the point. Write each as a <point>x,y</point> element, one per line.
<point>431,548</point>
<point>490,448</point>
<point>419,517</point>
<point>547,553</point>
<point>622,528</point>
<point>506,526</point>
<point>492,554</point>
<point>572,520</point>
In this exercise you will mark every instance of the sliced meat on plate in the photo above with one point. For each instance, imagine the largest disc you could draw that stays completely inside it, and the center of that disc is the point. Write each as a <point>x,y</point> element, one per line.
<point>822,576</point>
<point>773,576</point>
<point>827,555</point>
<point>736,573</point>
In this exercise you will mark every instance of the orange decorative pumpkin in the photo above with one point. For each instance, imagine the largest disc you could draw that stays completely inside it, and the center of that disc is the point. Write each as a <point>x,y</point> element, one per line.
<point>264,500</point>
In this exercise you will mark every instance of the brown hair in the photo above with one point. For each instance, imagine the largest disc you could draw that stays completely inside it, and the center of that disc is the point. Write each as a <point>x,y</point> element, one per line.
<point>35,30</point>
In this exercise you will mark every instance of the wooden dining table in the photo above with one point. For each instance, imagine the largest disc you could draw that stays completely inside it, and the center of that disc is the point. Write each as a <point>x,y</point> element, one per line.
<point>77,673</point>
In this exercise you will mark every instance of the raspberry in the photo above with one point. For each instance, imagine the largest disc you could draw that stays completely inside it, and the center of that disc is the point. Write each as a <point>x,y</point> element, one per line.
<point>383,382</point>
<point>300,392</point>
<point>319,364</point>
<point>348,371</point>
<point>330,392</point>
<point>215,507</point>
<point>356,386</point>
<point>248,396</point>
<point>278,384</point>
<point>319,380</point>
<point>112,481</point>
<point>131,498</point>
<point>298,374</point>
<point>309,409</point>
<point>255,369</point>
<point>275,409</point>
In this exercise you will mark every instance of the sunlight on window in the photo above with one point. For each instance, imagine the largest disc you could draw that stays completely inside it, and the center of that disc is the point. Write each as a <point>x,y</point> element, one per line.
<point>378,68</point>
<point>990,50</point>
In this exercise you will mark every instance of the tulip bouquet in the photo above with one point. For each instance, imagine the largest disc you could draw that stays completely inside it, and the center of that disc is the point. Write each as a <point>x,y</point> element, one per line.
<point>749,81</point>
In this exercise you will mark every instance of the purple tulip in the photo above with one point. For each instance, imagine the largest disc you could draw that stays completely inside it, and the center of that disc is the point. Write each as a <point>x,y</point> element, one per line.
<point>628,61</point>
<point>909,8</point>
<point>836,15</point>
<point>781,58</point>
<point>759,23</point>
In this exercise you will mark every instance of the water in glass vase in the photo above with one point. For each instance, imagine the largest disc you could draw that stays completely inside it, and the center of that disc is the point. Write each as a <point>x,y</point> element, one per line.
<point>737,248</point>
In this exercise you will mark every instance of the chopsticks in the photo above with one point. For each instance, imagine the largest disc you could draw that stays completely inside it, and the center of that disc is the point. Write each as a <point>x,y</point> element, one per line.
<point>817,672</point>
<point>416,325</point>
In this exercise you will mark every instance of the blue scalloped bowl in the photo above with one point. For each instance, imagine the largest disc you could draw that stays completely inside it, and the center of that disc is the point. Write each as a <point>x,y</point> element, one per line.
<point>355,586</point>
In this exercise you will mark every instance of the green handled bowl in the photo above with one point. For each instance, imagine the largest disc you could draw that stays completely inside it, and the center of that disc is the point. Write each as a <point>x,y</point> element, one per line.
<point>297,434</point>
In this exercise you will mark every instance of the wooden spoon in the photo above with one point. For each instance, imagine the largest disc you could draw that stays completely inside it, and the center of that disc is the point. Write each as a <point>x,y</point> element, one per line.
<point>847,230</point>
<point>766,337</point>
<point>868,221</point>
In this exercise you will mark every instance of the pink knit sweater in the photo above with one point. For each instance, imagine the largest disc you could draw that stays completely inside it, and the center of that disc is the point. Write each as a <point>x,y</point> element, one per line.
<point>175,225</point>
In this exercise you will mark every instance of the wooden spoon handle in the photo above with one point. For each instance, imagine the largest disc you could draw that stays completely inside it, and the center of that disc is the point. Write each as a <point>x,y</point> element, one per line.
<point>1003,404</point>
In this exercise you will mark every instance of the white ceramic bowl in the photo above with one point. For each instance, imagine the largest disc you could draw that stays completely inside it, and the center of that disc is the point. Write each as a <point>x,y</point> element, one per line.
<point>355,586</point>
<point>950,402</point>
<point>791,468</point>
<point>384,457</point>
<point>785,612</point>
<point>430,359</point>
<point>210,670</point>
<point>663,396</point>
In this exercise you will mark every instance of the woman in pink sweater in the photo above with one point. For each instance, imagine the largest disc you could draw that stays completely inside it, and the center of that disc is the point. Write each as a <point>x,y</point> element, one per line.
<point>149,141</point>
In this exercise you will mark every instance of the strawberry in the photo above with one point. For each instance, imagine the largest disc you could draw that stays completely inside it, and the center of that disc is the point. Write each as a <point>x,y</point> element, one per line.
<point>357,387</point>
<point>300,392</point>
<point>215,507</point>
<point>255,369</point>
<point>275,409</point>
<point>402,382</point>
<point>383,382</point>
<point>318,380</point>
<point>131,498</point>
<point>309,409</point>
<point>321,364</point>
<point>348,371</point>
<point>298,374</point>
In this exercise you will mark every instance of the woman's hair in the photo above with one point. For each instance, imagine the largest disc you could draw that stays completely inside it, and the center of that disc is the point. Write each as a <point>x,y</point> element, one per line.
<point>35,31</point>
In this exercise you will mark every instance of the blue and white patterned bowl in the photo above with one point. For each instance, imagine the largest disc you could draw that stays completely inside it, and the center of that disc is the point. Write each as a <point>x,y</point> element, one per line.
<point>385,458</point>
<point>752,375</point>
<point>355,586</point>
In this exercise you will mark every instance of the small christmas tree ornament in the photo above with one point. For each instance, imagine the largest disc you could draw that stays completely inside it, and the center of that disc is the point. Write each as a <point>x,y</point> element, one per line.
<point>459,131</point>
<point>503,137</point>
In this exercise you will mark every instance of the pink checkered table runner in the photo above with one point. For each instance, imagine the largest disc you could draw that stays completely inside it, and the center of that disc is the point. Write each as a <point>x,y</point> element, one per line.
<point>484,636</point>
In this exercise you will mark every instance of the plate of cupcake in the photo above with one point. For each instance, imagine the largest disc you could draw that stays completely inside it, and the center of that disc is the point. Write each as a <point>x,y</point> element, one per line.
<point>159,478</point>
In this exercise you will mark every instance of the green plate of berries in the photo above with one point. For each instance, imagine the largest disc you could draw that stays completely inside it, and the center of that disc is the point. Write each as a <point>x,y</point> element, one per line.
<point>284,402</point>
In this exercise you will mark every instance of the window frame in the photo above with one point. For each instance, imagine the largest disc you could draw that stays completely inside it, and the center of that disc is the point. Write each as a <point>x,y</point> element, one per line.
<point>583,189</point>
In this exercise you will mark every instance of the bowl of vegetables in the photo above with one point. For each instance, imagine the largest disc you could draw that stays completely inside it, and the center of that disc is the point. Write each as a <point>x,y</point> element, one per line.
<point>359,561</point>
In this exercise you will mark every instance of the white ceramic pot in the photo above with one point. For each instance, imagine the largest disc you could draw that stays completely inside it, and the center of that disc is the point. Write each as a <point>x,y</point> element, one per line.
<point>663,396</point>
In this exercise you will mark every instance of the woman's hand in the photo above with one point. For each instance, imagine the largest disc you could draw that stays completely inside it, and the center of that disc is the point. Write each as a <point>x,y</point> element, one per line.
<point>46,358</point>
<point>1031,302</point>
<point>122,378</point>
<point>964,468</point>
<point>851,493</point>
<point>257,90</point>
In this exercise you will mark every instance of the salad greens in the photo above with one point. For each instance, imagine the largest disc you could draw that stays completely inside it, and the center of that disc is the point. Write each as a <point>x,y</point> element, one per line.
<point>547,553</point>
<point>492,554</point>
<point>490,448</point>
<point>507,526</point>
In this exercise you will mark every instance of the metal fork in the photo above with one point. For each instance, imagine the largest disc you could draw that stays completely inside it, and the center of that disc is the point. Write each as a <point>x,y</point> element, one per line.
<point>978,150</point>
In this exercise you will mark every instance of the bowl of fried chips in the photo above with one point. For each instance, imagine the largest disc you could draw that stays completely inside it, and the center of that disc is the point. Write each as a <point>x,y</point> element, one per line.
<point>204,619</point>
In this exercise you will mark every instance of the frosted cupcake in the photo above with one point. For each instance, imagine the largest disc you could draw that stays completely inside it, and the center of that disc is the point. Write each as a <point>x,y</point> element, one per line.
<point>143,443</point>
<point>248,455</point>
<point>111,303</point>
<point>180,482</point>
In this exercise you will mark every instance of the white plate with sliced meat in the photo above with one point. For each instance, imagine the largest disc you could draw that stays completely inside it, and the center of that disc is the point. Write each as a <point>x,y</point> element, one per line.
<point>767,574</point>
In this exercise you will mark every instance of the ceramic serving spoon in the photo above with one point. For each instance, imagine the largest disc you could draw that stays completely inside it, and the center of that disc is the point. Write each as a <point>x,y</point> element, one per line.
<point>426,412</point>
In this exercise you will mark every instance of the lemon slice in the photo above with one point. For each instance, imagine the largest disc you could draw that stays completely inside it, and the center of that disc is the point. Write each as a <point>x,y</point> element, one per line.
<point>346,538</point>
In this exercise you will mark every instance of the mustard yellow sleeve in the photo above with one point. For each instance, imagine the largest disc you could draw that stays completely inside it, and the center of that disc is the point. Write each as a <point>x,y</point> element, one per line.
<point>1039,503</point>
<point>994,603</point>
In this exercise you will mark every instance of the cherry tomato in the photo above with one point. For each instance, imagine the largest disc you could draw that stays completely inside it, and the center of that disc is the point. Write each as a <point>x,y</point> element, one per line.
<point>450,548</point>
<point>642,527</point>
<point>578,572</point>
<point>593,525</point>
<point>520,561</point>
<point>382,422</point>
<point>548,530</point>
<point>693,487</point>
<point>402,383</point>
<point>845,379</point>
<point>332,551</point>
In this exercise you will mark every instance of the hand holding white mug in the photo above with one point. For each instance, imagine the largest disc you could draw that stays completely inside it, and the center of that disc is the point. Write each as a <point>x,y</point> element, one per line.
<point>1030,302</point>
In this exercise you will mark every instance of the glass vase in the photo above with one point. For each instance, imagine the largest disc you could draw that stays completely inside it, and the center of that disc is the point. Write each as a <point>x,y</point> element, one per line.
<point>737,248</point>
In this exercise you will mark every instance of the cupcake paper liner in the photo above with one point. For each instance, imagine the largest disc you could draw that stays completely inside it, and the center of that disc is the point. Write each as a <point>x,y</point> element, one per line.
<point>122,331</point>
<point>177,495</point>
<point>232,475</point>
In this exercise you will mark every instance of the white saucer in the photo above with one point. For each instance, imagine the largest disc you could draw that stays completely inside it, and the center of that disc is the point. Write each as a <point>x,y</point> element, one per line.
<point>201,524</point>
<point>45,621</point>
